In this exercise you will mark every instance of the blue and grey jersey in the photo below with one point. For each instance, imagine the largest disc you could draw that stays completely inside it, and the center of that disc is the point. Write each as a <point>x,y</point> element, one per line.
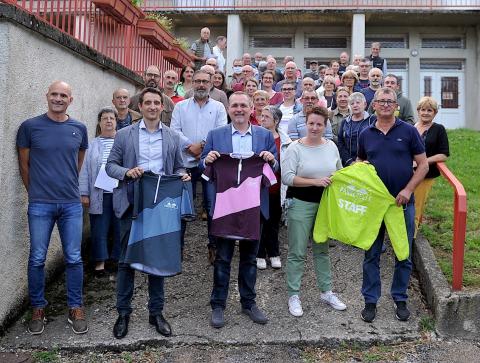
<point>160,203</point>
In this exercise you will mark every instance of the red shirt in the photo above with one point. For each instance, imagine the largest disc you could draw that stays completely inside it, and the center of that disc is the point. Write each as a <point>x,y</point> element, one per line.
<point>176,99</point>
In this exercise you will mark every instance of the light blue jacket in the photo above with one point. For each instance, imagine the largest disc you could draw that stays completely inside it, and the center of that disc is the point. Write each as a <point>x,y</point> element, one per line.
<point>88,175</point>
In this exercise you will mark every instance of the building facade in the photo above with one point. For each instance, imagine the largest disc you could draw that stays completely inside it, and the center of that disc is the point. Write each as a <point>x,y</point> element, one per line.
<point>433,46</point>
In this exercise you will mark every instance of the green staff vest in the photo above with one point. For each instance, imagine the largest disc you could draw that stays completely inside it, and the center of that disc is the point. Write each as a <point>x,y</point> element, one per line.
<point>353,208</point>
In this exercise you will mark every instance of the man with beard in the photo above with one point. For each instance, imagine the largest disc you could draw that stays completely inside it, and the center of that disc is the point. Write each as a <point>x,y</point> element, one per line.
<point>193,118</point>
<point>297,124</point>
<point>214,93</point>
<point>126,116</point>
<point>375,77</point>
<point>238,137</point>
<point>170,79</point>
<point>151,78</point>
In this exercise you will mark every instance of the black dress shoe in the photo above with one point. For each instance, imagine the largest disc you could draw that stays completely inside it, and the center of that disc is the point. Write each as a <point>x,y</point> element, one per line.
<point>120,329</point>
<point>161,325</point>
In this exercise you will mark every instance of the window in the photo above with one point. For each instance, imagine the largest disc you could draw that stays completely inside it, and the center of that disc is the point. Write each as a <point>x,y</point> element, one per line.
<point>271,41</point>
<point>444,43</point>
<point>427,86</point>
<point>400,41</point>
<point>325,42</point>
<point>449,92</point>
<point>426,64</point>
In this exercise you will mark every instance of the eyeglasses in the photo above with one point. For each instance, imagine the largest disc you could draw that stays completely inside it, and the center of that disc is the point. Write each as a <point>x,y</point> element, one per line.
<point>152,75</point>
<point>201,81</point>
<point>385,102</point>
<point>287,89</point>
<point>310,98</point>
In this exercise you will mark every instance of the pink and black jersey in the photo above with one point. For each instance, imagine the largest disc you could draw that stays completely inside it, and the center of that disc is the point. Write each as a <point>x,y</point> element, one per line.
<point>238,181</point>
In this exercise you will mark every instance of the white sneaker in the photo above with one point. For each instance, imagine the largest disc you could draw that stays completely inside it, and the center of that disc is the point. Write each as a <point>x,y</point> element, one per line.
<point>276,262</point>
<point>331,299</point>
<point>261,263</point>
<point>295,305</point>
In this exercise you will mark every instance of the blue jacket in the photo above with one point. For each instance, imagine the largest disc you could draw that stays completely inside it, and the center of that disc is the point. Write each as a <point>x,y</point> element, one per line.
<point>220,139</point>
<point>348,137</point>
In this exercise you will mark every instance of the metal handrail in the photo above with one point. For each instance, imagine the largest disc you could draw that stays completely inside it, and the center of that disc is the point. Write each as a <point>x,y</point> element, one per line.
<point>278,5</point>
<point>459,225</point>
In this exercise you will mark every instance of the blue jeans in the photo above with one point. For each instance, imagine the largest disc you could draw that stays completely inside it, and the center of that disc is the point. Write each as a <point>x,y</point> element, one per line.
<point>371,288</point>
<point>208,195</point>
<point>41,219</point>
<point>100,225</point>
<point>247,272</point>
<point>126,277</point>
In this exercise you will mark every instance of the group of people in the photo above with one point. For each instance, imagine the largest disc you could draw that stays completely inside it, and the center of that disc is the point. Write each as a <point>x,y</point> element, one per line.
<point>265,144</point>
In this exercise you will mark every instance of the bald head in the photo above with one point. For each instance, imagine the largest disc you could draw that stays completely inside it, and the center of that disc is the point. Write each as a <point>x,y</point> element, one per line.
<point>291,70</point>
<point>60,84</point>
<point>121,99</point>
<point>59,97</point>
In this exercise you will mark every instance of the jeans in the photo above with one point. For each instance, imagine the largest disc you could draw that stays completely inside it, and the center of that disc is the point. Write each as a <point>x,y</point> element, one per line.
<point>41,219</point>
<point>269,243</point>
<point>100,225</point>
<point>208,195</point>
<point>371,288</point>
<point>247,272</point>
<point>126,277</point>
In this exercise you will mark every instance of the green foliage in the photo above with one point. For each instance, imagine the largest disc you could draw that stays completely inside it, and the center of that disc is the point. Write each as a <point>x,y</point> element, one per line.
<point>183,43</point>
<point>137,3</point>
<point>427,323</point>
<point>163,20</point>
<point>464,162</point>
<point>46,356</point>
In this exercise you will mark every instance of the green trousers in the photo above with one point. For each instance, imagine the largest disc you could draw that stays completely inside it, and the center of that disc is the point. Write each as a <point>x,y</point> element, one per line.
<point>301,218</point>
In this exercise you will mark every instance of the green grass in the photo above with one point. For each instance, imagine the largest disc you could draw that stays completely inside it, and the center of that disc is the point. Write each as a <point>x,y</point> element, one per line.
<point>464,162</point>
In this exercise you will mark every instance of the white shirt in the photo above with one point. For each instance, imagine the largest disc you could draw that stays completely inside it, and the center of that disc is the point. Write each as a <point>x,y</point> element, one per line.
<point>220,58</point>
<point>287,112</point>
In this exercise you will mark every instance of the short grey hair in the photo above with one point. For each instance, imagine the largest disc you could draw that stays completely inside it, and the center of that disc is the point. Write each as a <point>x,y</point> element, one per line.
<point>385,91</point>
<point>276,114</point>
<point>356,96</point>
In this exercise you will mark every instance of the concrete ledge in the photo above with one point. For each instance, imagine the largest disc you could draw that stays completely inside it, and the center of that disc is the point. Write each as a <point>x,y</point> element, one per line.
<point>456,313</point>
<point>16,15</point>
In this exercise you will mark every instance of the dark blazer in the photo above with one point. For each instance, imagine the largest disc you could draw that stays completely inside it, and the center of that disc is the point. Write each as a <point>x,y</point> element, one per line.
<point>124,156</point>
<point>220,139</point>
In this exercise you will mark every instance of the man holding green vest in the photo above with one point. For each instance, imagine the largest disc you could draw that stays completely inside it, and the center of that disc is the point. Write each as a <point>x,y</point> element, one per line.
<point>391,146</point>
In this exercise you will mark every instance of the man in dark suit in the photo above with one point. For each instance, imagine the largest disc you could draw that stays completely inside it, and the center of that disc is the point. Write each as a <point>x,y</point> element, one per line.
<point>147,145</point>
<point>238,137</point>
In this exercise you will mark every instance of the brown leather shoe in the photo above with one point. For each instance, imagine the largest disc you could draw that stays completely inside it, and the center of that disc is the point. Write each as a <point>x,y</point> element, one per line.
<point>204,216</point>
<point>37,324</point>
<point>212,252</point>
<point>76,318</point>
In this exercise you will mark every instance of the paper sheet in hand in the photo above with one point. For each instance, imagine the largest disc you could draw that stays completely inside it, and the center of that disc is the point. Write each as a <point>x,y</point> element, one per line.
<point>104,181</point>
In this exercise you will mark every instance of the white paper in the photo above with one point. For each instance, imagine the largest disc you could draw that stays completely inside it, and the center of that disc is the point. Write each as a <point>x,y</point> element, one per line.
<point>104,181</point>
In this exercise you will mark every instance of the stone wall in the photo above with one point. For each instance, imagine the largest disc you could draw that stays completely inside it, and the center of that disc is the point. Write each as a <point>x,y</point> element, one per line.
<point>30,59</point>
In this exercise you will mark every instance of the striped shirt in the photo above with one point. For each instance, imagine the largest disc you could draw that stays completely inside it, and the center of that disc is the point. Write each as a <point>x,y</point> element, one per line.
<point>107,143</point>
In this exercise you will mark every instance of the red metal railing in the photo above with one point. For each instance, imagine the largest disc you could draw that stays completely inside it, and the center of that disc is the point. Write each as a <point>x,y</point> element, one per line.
<point>245,5</point>
<point>82,20</point>
<point>459,225</point>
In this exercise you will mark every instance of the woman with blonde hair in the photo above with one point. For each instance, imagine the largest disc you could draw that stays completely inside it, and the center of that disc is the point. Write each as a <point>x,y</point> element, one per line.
<point>436,148</point>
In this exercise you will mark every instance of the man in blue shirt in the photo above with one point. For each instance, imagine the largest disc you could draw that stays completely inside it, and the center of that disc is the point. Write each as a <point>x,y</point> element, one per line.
<point>193,118</point>
<point>51,149</point>
<point>391,145</point>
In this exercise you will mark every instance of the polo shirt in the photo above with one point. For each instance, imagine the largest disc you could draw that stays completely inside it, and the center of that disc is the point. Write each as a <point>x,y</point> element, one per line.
<point>391,154</point>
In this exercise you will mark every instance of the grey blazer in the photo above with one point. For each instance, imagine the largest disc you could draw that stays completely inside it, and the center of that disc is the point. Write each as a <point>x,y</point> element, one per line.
<point>124,156</point>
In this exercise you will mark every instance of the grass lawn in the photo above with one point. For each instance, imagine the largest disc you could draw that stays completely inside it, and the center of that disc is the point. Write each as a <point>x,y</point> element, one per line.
<point>464,162</point>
